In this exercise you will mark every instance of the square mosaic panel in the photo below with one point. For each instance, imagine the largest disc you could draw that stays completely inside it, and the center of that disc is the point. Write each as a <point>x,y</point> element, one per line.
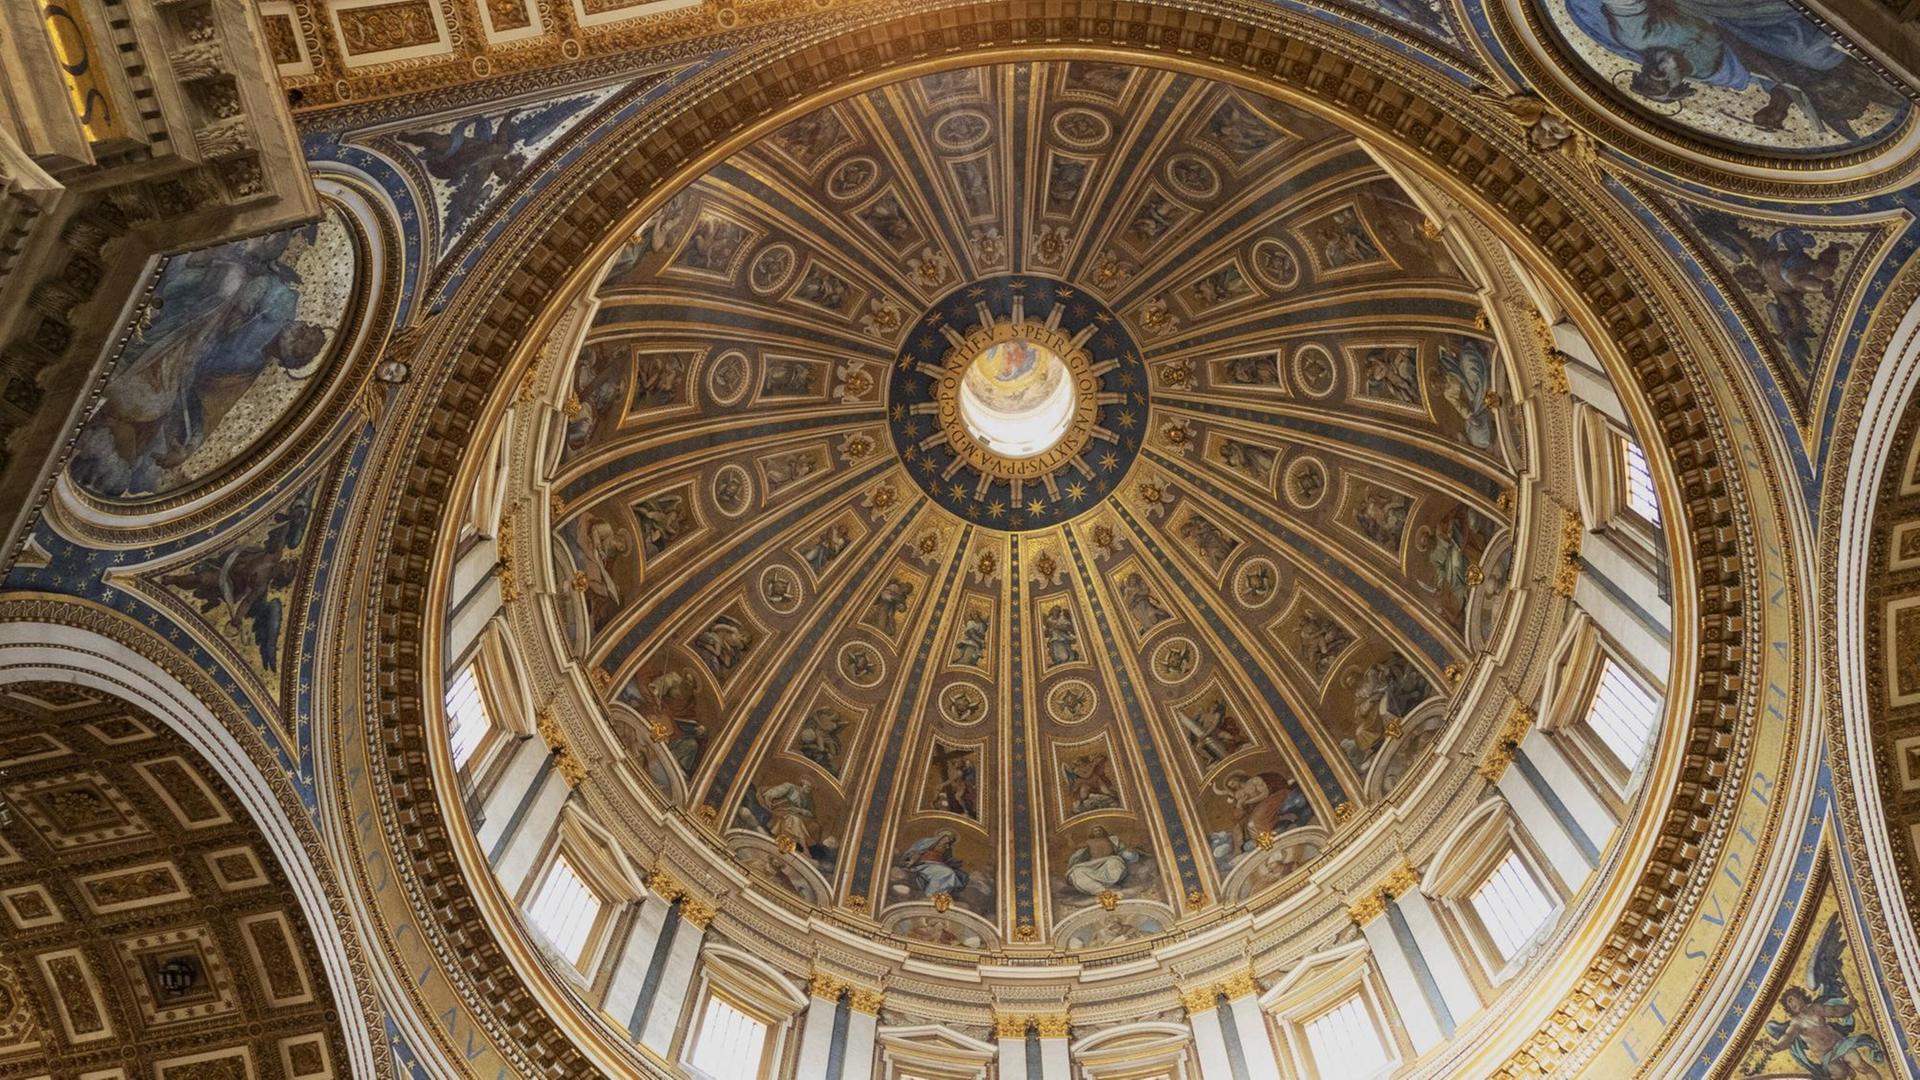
<point>29,907</point>
<point>178,975</point>
<point>77,810</point>
<point>231,1063</point>
<point>305,1057</point>
<point>236,868</point>
<point>185,792</point>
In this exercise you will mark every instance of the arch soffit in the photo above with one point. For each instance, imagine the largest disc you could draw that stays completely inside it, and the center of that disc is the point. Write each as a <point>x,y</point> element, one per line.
<point>1874,427</point>
<point>60,642</point>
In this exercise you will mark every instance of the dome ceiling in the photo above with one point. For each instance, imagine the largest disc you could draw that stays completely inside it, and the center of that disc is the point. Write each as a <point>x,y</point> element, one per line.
<point>1035,502</point>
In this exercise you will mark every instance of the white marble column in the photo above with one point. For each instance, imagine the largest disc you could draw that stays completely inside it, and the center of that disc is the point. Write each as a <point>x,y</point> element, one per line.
<point>816,1031</point>
<point>1449,974</point>
<point>1623,600</point>
<point>531,824</point>
<point>677,978</point>
<point>1054,1062</point>
<point>1209,1044</point>
<point>476,597</point>
<point>643,937</point>
<point>1256,1044</point>
<point>863,1025</point>
<point>1591,815</point>
<point>1011,1034</point>
<point>1547,829</point>
<point>1403,985</point>
<point>525,760</point>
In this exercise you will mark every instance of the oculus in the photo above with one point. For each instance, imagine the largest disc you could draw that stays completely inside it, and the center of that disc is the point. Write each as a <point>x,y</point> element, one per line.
<point>1018,402</point>
<point>1016,398</point>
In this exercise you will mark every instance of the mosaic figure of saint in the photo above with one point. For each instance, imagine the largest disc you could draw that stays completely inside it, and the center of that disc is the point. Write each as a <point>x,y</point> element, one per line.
<point>1063,638</point>
<point>1682,45</point>
<point>1213,731</point>
<point>970,644</point>
<point>1090,783</point>
<point>1264,803</point>
<point>1102,864</point>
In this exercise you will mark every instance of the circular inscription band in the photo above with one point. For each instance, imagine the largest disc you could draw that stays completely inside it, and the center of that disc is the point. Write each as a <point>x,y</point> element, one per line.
<point>1018,402</point>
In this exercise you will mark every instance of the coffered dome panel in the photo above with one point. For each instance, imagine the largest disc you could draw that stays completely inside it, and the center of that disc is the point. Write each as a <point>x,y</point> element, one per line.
<point>1036,502</point>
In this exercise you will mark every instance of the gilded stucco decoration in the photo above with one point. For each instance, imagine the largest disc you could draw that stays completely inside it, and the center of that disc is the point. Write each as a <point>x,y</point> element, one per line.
<point>834,687</point>
<point>685,749</point>
<point>1145,661</point>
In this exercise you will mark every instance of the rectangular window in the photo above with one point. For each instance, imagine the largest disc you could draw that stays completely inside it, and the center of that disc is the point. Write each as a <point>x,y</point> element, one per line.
<point>467,718</point>
<point>1641,497</point>
<point>1346,1043</point>
<point>731,1044</point>
<point>564,909</point>
<point>1623,713</point>
<point>1511,905</point>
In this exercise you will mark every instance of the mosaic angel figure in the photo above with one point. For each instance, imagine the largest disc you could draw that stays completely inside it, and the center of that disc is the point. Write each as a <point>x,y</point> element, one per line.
<point>243,584</point>
<point>1820,1029</point>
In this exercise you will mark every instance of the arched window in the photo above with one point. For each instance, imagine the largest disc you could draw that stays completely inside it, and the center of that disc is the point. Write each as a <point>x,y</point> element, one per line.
<point>1498,891</point>
<point>1603,712</point>
<point>1641,498</point>
<point>1623,713</point>
<point>469,721</point>
<point>1329,1018</point>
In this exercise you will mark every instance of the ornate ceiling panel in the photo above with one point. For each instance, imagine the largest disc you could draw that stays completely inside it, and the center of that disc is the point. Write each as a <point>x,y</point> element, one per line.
<point>337,52</point>
<point>1079,691</point>
<point>170,944</point>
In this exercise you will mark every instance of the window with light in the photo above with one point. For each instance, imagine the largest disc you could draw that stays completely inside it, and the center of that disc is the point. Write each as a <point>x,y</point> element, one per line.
<point>1642,499</point>
<point>565,909</point>
<point>468,721</point>
<point>1623,714</point>
<point>732,1044</point>
<point>1346,1043</point>
<point>1512,906</point>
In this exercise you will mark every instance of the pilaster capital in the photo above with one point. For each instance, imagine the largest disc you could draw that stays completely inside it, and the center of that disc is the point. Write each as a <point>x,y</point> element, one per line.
<point>1238,985</point>
<point>1373,904</point>
<point>1198,999</point>
<point>1010,1026</point>
<point>1512,734</point>
<point>662,883</point>
<point>697,912</point>
<point>1053,1026</point>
